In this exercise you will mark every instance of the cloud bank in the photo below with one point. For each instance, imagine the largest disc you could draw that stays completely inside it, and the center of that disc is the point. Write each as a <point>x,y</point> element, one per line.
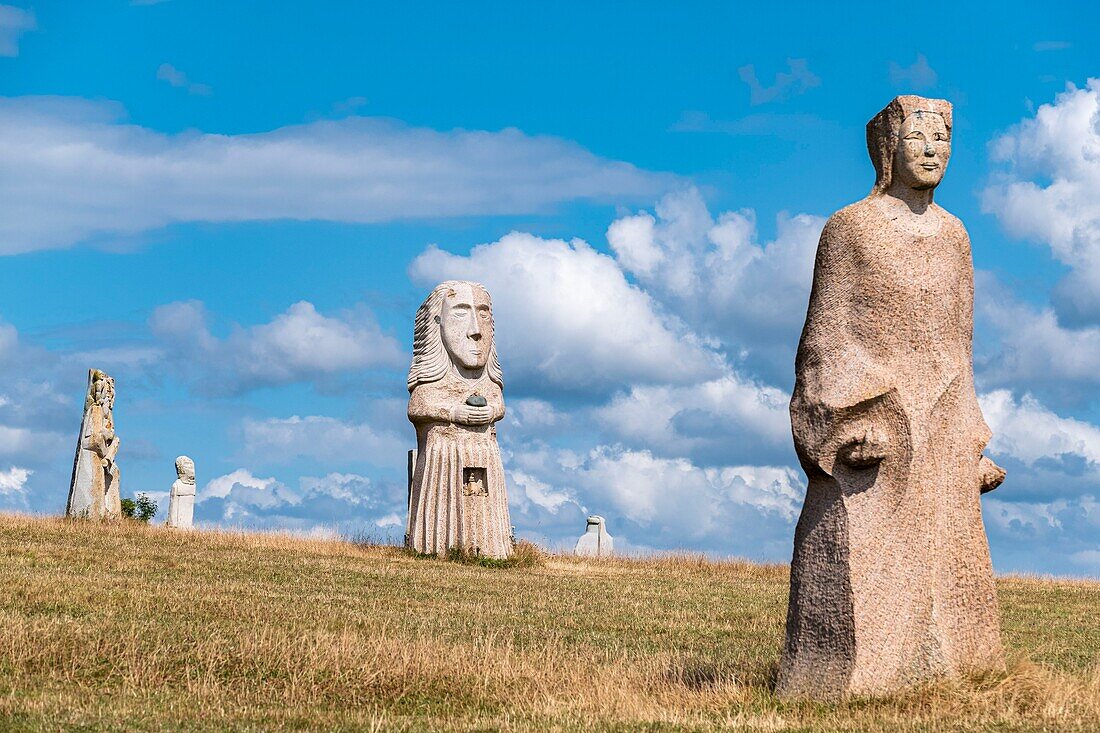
<point>119,180</point>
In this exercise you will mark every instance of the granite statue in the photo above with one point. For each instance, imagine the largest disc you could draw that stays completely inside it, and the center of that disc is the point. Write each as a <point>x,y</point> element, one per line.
<point>891,579</point>
<point>94,489</point>
<point>181,499</point>
<point>457,496</point>
<point>595,542</point>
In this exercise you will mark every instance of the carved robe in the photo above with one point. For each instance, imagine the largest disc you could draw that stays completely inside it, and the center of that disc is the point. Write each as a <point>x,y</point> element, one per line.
<point>458,496</point>
<point>181,504</point>
<point>891,579</point>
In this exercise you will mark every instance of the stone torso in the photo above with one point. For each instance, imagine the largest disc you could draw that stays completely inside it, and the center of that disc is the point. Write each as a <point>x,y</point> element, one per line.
<point>905,297</point>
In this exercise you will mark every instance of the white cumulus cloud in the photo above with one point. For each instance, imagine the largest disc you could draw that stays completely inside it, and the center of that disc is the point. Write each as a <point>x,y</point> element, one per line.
<point>713,272</point>
<point>336,504</point>
<point>1049,191</point>
<point>1034,349</point>
<point>323,438</point>
<point>567,317</point>
<point>710,420</point>
<point>14,480</point>
<point>1028,431</point>
<point>298,344</point>
<point>120,179</point>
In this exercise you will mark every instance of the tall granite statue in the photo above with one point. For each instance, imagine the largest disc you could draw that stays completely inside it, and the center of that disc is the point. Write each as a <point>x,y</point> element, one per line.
<point>891,580</point>
<point>93,492</point>
<point>181,499</point>
<point>457,495</point>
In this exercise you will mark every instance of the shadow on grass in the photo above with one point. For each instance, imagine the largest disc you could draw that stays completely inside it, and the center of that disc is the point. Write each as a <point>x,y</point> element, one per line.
<point>525,555</point>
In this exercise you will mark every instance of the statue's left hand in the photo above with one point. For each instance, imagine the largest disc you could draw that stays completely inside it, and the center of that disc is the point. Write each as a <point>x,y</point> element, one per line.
<point>990,475</point>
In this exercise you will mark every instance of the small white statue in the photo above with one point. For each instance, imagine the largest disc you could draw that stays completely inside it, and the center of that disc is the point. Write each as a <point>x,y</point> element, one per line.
<point>595,542</point>
<point>181,504</point>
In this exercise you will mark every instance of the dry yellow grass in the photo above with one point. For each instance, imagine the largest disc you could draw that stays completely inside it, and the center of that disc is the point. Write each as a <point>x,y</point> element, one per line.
<point>137,628</point>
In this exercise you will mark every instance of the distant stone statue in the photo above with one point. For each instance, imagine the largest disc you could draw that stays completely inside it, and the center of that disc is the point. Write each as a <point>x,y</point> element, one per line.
<point>891,579</point>
<point>595,542</point>
<point>457,496</point>
<point>93,491</point>
<point>181,500</point>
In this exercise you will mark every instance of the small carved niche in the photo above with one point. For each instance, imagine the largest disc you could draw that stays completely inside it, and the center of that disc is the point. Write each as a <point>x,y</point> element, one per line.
<point>474,482</point>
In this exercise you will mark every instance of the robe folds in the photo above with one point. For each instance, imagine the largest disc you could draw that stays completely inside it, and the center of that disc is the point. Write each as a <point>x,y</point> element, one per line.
<point>891,579</point>
<point>458,497</point>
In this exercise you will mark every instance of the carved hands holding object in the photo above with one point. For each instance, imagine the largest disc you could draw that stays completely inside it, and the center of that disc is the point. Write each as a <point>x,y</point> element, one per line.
<point>474,411</point>
<point>468,415</point>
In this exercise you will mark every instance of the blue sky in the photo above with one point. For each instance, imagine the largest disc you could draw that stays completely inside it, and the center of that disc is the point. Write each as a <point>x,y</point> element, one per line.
<point>236,214</point>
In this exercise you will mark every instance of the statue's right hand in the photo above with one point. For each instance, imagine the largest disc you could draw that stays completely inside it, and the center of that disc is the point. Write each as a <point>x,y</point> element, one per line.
<point>865,451</point>
<point>466,415</point>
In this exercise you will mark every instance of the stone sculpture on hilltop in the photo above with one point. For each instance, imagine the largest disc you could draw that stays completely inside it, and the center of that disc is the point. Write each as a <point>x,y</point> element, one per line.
<point>181,500</point>
<point>457,495</point>
<point>595,542</point>
<point>93,492</point>
<point>891,579</point>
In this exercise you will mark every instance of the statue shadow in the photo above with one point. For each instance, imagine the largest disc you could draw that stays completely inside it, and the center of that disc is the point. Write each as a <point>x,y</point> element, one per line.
<point>854,481</point>
<point>707,674</point>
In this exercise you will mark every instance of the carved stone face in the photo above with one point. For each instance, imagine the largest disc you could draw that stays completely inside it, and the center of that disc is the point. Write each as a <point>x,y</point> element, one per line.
<point>924,147</point>
<point>467,326</point>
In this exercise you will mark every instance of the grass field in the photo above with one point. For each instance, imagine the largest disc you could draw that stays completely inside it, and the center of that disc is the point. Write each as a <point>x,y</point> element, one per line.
<point>138,628</point>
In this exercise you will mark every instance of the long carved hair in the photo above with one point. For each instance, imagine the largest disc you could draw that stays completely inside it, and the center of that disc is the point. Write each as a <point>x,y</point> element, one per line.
<point>430,360</point>
<point>884,129</point>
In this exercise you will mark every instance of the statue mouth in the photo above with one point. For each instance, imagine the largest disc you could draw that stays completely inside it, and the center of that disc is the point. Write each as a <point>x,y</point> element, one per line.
<point>930,166</point>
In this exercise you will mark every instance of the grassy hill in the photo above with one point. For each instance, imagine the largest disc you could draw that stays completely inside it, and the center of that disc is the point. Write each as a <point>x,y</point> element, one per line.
<point>138,628</point>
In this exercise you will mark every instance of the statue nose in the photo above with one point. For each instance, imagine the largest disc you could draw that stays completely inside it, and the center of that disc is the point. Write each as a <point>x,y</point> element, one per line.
<point>929,150</point>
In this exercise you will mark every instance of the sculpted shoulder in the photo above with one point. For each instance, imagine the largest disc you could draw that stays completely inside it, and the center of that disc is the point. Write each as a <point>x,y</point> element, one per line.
<point>852,214</point>
<point>851,225</point>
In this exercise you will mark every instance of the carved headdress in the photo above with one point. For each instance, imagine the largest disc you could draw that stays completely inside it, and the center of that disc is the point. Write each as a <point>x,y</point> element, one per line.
<point>430,360</point>
<point>884,129</point>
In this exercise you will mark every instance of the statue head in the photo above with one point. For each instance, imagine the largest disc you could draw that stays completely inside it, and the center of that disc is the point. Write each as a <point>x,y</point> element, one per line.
<point>910,142</point>
<point>102,389</point>
<point>454,328</point>
<point>185,469</point>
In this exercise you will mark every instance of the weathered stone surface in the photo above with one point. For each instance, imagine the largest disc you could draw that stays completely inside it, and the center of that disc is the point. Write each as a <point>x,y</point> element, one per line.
<point>93,491</point>
<point>181,500</point>
<point>891,580</point>
<point>595,542</point>
<point>457,495</point>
